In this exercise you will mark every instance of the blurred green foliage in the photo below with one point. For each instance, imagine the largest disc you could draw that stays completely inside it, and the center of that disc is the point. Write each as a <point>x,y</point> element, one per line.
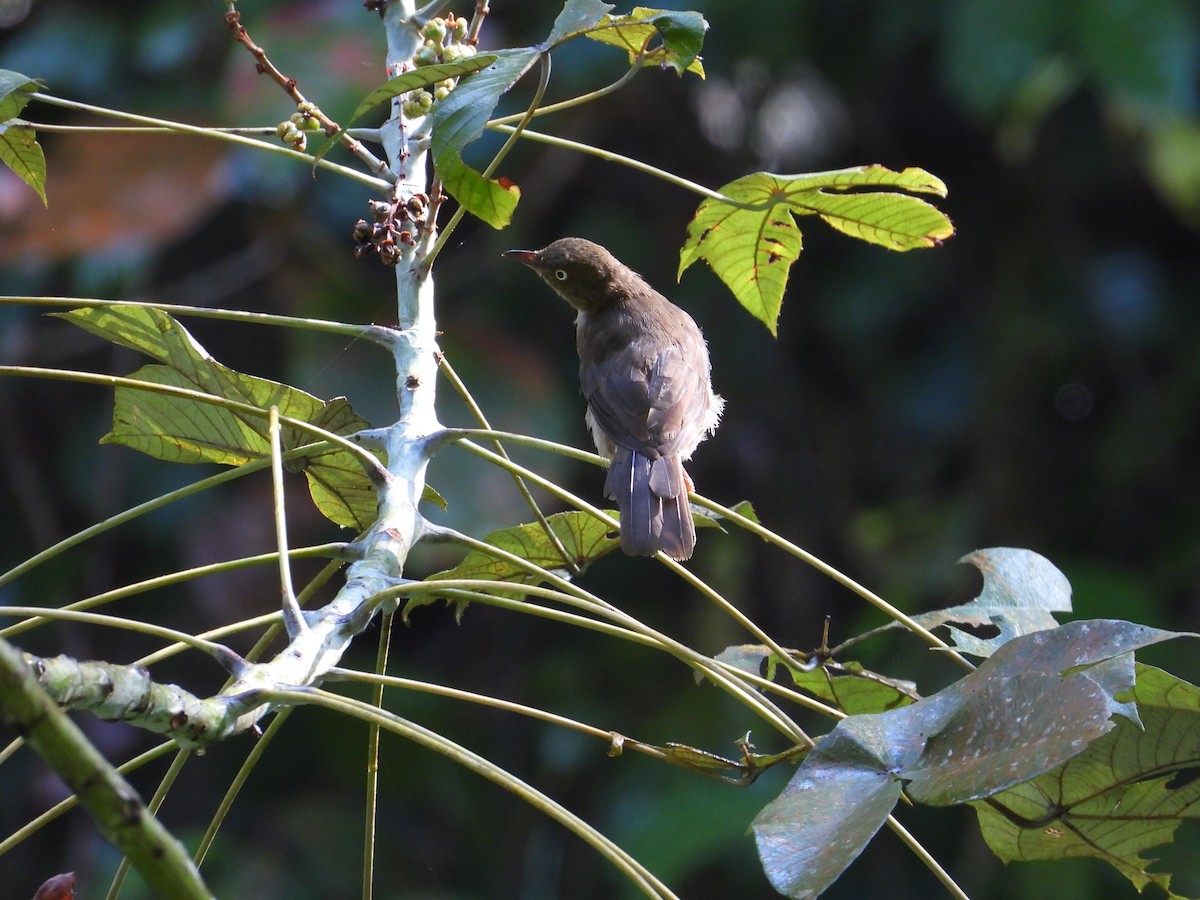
<point>1035,382</point>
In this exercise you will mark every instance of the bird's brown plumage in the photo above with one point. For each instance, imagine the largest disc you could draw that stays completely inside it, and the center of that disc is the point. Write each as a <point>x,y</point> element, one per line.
<point>644,370</point>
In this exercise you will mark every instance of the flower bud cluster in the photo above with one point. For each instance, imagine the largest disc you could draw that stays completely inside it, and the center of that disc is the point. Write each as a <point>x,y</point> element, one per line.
<point>445,41</point>
<point>292,131</point>
<point>392,226</point>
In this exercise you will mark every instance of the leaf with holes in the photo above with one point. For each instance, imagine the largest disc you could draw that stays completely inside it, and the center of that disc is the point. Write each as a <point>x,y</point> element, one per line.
<point>751,239</point>
<point>1021,591</point>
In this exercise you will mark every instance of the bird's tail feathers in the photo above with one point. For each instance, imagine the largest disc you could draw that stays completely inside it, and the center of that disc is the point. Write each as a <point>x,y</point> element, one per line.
<point>652,498</point>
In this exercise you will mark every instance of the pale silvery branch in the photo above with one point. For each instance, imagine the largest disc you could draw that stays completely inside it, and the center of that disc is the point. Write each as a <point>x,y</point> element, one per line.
<point>319,641</point>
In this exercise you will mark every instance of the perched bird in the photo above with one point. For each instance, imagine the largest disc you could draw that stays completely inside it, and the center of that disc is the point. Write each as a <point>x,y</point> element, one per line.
<point>644,370</point>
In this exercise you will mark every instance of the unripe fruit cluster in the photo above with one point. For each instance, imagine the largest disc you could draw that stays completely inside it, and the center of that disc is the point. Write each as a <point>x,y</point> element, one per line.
<point>292,131</point>
<point>445,41</point>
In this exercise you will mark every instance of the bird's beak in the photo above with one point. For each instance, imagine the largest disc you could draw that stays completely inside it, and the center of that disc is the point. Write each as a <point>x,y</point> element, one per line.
<point>527,257</point>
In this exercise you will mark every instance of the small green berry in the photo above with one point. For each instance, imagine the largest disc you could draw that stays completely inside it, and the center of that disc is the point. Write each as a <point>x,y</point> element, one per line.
<point>435,30</point>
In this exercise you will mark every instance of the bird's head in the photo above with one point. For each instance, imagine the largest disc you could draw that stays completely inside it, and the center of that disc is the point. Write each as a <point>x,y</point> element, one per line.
<point>583,273</point>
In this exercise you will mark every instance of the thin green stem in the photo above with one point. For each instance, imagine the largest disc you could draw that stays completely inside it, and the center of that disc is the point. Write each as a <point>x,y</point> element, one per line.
<point>927,858</point>
<point>571,103</point>
<point>462,391</point>
<point>381,185</point>
<point>619,159</point>
<point>371,806</point>
<point>824,568</point>
<point>630,867</point>
<point>564,592</point>
<point>374,333</point>
<point>523,606</point>
<point>170,580</point>
<point>107,621</point>
<point>239,781</point>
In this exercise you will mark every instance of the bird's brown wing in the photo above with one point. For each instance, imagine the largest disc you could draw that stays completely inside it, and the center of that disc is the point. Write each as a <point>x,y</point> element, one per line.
<point>648,404</point>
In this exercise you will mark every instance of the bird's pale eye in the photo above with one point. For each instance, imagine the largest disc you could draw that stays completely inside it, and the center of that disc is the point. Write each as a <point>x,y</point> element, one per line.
<point>560,274</point>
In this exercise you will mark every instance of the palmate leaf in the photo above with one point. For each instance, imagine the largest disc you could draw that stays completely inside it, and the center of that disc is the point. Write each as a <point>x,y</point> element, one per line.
<point>181,430</point>
<point>682,35</point>
<point>752,242</point>
<point>19,149</point>
<point>1126,793</point>
<point>1034,704</point>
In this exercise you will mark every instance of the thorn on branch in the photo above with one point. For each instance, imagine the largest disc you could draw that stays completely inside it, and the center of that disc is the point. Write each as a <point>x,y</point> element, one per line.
<point>232,662</point>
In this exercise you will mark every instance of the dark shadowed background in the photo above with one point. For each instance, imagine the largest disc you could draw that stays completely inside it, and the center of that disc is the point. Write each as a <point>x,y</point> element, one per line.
<point>1035,383</point>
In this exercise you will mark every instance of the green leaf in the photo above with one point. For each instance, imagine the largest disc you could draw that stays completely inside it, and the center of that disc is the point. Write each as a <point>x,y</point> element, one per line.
<point>20,151</point>
<point>181,430</point>
<point>848,686</point>
<point>1021,589</point>
<point>751,242</point>
<point>15,91</point>
<point>459,119</point>
<point>577,17</point>
<point>1126,793</point>
<point>420,77</point>
<point>1036,703</point>
<point>682,35</point>
<point>585,538</point>
<point>706,518</point>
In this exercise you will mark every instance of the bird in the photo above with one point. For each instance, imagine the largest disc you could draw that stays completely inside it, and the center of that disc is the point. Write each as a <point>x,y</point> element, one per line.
<point>645,373</point>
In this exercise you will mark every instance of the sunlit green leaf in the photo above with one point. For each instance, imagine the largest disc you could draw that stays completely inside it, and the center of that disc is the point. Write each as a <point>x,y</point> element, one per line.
<point>681,33</point>
<point>19,148</point>
<point>706,518</point>
<point>751,243</point>
<point>15,91</point>
<point>585,538</point>
<point>1126,793</point>
<point>849,686</point>
<point>20,151</point>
